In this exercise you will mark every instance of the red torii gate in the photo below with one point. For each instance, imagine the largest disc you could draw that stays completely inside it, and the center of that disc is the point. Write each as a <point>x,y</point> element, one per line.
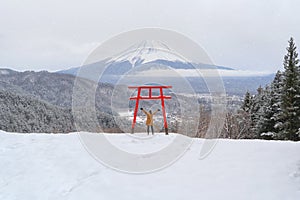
<point>150,97</point>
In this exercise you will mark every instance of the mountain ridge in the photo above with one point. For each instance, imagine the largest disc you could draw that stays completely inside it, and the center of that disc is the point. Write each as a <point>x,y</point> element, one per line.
<point>41,93</point>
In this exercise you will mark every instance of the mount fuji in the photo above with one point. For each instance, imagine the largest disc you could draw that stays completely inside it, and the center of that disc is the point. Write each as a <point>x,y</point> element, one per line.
<point>145,52</point>
<point>157,55</point>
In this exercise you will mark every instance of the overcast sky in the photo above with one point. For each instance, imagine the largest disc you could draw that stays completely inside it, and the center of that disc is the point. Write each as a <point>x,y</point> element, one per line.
<point>56,34</point>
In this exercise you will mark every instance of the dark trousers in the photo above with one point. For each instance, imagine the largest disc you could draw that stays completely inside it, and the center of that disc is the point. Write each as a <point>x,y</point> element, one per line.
<point>151,130</point>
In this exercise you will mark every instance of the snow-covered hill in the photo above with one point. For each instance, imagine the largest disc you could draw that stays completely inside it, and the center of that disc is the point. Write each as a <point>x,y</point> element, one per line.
<point>47,166</point>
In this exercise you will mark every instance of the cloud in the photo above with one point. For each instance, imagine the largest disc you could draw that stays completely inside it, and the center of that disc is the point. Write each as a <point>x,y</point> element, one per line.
<point>50,34</point>
<point>197,73</point>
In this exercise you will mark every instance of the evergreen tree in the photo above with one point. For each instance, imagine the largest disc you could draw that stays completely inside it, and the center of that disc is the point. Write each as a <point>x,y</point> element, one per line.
<point>243,118</point>
<point>271,108</point>
<point>290,105</point>
<point>257,111</point>
<point>247,103</point>
<point>275,111</point>
<point>264,122</point>
<point>276,101</point>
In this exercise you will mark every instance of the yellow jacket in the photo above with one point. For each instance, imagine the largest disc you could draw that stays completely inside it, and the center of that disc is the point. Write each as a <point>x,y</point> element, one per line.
<point>149,121</point>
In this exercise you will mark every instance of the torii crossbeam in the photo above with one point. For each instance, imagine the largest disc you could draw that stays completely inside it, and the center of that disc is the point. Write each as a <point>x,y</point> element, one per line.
<point>161,97</point>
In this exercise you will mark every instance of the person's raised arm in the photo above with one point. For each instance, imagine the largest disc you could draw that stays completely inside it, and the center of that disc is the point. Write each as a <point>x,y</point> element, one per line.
<point>142,109</point>
<point>156,111</point>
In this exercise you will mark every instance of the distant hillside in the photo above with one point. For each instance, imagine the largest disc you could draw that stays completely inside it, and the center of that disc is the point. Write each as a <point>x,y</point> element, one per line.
<point>234,85</point>
<point>54,88</point>
<point>6,71</point>
<point>41,102</point>
<point>26,114</point>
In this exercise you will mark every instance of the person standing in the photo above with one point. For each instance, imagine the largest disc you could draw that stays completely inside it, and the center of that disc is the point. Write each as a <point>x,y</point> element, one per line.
<point>149,121</point>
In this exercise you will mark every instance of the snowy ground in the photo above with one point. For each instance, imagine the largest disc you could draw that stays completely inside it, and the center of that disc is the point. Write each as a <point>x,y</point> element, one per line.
<point>46,166</point>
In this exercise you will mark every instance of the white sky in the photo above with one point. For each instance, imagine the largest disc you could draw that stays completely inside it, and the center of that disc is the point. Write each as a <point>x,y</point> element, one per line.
<point>56,34</point>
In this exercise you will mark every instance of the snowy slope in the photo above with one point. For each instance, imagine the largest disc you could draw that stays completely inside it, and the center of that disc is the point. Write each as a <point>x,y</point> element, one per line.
<point>46,166</point>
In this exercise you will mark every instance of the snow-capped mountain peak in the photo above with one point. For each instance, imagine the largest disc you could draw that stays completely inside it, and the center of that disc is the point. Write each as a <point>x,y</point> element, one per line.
<point>145,52</point>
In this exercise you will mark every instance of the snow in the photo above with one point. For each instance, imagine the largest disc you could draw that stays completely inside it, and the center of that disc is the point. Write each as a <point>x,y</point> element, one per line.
<point>4,72</point>
<point>57,166</point>
<point>268,134</point>
<point>147,51</point>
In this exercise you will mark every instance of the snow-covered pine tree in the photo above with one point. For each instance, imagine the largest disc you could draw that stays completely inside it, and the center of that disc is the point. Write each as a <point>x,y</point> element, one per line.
<point>256,111</point>
<point>276,103</point>
<point>271,108</point>
<point>263,124</point>
<point>290,106</point>
<point>247,103</point>
<point>243,119</point>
